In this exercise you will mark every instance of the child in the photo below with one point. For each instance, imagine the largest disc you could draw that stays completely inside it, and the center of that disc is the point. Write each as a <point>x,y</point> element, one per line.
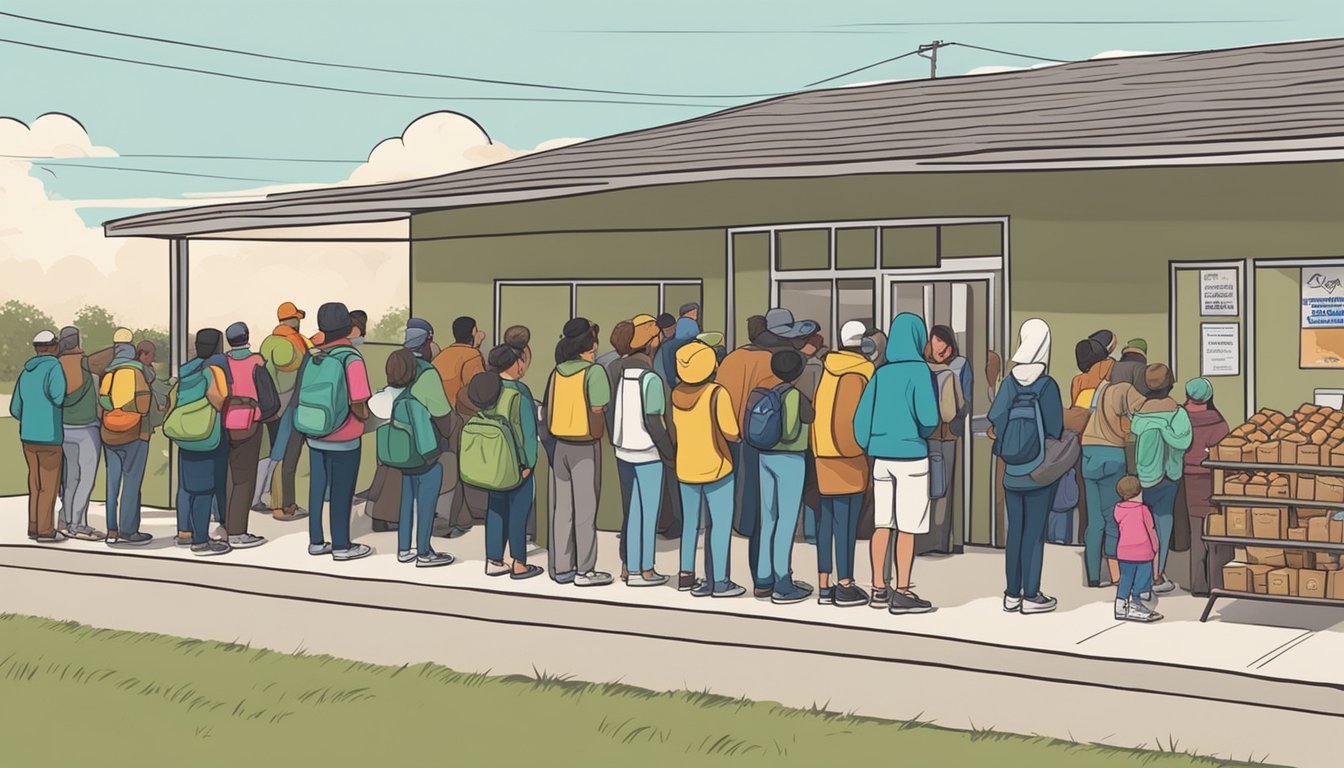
<point>1136,550</point>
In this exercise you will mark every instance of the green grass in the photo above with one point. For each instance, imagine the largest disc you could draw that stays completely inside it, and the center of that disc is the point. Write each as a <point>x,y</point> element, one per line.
<point>79,695</point>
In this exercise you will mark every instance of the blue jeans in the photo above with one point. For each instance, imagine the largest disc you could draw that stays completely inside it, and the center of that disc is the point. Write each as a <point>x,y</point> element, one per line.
<point>201,477</point>
<point>1024,554</point>
<point>1161,499</point>
<point>782,476</point>
<point>332,473</point>
<point>747,467</point>
<point>718,496</point>
<point>419,495</point>
<point>625,475</point>
<point>506,518</point>
<point>1103,466</point>
<point>646,491</point>
<point>839,521</point>
<point>1059,528</point>
<point>125,475</point>
<point>1136,579</point>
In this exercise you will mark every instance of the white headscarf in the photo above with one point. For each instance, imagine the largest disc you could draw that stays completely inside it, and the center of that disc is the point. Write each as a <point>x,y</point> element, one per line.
<point>1033,352</point>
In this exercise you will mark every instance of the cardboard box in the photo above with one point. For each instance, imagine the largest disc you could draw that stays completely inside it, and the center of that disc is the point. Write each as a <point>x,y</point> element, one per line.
<point>1330,489</point>
<point>1300,558</point>
<point>1280,487</point>
<point>1334,585</point>
<point>1260,577</point>
<point>1309,455</point>
<point>1318,529</point>
<point>1258,487</point>
<point>1337,456</point>
<point>1283,581</point>
<point>1229,449</point>
<point>1235,485</point>
<point>1237,577</point>
<point>1306,487</point>
<point>1288,448</point>
<point>1239,522</point>
<point>1269,523</point>
<point>1267,452</point>
<point>1297,534</point>
<point>1216,524</point>
<point>1312,583</point>
<point>1271,556</point>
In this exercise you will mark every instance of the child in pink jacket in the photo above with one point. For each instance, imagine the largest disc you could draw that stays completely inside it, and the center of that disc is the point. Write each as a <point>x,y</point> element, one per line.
<point>1136,550</point>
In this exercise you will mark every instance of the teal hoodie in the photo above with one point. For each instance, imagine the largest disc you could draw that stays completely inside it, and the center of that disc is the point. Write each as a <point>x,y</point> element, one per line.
<point>38,396</point>
<point>1161,440</point>
<point>898,410</point>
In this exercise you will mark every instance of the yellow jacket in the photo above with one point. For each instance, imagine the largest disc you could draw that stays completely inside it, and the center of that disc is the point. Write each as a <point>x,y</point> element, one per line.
<point>703,417</point>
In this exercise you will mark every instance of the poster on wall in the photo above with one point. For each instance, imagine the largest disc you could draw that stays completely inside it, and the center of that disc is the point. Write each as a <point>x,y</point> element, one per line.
<point>1322,342</point>
<point>1218,293</point>
<point>1219,349</point>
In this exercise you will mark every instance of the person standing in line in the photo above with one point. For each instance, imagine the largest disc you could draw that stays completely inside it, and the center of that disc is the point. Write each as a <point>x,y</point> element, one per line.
<point>126,402</point>
<point>284,351</point>
<point>332,396</point>
<point>842,467</point>
<point>506,516</point>
<point>410,442</point>
<point>665,361</point>
<point>1103,449</point>
<point>783,471</point>
<point>705,425</point>
<point>82,444</point>
<point>519,339</point>
<point>641,441</point>
<point>611,363</point>
<point>1137,550</point>
<point>1163,434</point>
<point>813,350</point>
<point>667,326</point>
<point>253,401</point>
<point>1028,403</point>
<point>1094,365</point>
<point>621,333</point>
<point>194,422</point>
<point>577,394</point>
<point>949,371</point>
<point>690,311</point>
<point>37,404</point>
<point>896,415</point>
<point>1132,366</point>
<point>1208,428</point>
<point>457,364</point>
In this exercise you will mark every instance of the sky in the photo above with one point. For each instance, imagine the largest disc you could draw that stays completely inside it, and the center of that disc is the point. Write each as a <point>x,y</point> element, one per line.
<point>709,54</point>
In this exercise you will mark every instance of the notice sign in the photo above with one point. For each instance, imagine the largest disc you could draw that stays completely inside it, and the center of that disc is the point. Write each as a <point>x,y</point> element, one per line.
<point>1322,343</point>
<point>1218,292</point>
<point>1219,349</point>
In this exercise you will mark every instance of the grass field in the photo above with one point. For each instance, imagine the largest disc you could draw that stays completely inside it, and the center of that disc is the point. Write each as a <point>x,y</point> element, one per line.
<point>77,695</point>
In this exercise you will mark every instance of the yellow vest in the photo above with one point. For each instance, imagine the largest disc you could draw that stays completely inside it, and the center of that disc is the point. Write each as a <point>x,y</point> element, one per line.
<point>823,432</point>
<point>567,407</point>
<point>702,450</point>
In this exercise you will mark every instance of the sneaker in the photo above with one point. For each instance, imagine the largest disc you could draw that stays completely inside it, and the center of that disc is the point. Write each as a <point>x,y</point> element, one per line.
<point>213,547</point>
<point>1012,604</point>
<point>259,507</point>
<point>592,579</point>
<point>826,596</point>
<point>908,602</point>
<point>686,582</point>
<point>850,595</point>
<point>406,556</point>
<point>881,598</point>
<point>246,541</point>
<point>1146,597</point>
<point>51,538</point>
<point>1142,614</point>
<point>729,589</point>
<point>355,552</point>
<point>703,588</point>
<point>1164,586</point>
<point>789,595</point>
<point>565,578</point>
<point>137,539</point>
<point>182,541</point>
<point>457,531</point>
<point>84,533</point>
<point>529,572</point>
<point>493,568</point>
<point>1121,609</point>
<point>1041,603</point>
<point>319,549</point>
<point>762,593</point>
<point>434,560</point>
<point>802,586</point>
<point>640,580</point>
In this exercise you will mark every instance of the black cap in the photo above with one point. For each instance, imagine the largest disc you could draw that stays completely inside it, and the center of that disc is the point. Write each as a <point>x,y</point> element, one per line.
<point>333,319</point>
<point>688,308</point>
<point>237,335</point>
<point>666,321</point>
<point>577,327</point>
<point>787,365</point>
<point>483,391</point>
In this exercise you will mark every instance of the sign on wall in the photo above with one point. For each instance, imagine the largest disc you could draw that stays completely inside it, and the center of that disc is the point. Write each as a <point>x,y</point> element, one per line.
<point>1218,293</point>
<point>1219,349</point>
<point>1322,341</point>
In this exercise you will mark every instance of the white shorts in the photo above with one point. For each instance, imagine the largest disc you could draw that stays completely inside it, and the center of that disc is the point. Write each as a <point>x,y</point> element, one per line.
<point>901,495</point>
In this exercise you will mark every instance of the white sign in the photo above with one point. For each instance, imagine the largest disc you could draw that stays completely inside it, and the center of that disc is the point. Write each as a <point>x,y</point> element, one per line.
<point>1218,292</point>
<point>1219,349</point>
<point>1323,297</point>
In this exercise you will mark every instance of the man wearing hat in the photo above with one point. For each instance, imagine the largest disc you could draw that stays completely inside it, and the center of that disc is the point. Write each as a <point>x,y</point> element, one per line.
<point>691,311</point>
<point>126,399</point>
<point>283,352</point>
<point>1133,366</point>
<point>37,403</point>
<point>253,401</point>
<point>83,446</point>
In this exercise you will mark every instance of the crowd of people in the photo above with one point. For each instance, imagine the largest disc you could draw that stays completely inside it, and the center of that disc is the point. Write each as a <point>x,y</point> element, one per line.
<point>779,435</point>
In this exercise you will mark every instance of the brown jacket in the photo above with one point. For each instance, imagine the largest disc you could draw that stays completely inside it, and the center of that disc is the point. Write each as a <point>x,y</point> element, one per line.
<point>144,404</point>
<point>743,370</point>
<point>457,364</point>
<point>1109,424</point>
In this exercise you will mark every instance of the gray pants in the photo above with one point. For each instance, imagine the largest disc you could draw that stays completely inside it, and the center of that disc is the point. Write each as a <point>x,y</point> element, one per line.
<point>576,481</point>
<point>82,448</point>
<point>941,511</point>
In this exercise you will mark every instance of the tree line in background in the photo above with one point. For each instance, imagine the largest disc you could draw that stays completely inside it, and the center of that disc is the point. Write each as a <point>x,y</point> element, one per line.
<point>20,322</point>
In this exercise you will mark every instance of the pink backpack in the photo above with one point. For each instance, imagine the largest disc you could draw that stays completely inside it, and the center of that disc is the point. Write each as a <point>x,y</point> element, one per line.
<point>242,410</point>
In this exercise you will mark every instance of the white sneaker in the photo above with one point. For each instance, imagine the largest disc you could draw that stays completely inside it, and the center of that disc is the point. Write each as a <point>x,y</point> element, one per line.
<point>592,579</point>
<point>319,549</point>
<point>355,552</point>
<point>1141,613</point>
<point>406,556</point>
<point>246,541</point>
<point>1012,604</point>
<point>1164,586</point>
<point>1041,603</point>
<point>1121,609</point>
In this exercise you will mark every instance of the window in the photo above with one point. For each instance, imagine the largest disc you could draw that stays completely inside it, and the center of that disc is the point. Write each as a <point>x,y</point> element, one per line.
<point>803,249</point>
<point>856,248</point>
<point>855,300</point>
<point>808,300</point>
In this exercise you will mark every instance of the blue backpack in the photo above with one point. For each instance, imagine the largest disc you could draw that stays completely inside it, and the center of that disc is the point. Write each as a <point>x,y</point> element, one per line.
<point>765,417</point>
<point>322,403</point>
<point>1022,444</point>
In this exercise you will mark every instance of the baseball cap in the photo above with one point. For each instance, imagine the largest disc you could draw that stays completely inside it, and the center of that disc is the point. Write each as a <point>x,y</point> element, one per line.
<point>852,334</point>
<point>688,308</point>
<point>288,311</point>
<point>123,336</point>
<point>44,338</point>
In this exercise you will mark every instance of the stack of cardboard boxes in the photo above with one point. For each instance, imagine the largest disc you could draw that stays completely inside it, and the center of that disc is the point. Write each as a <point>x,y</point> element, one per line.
<point>1312,437</point>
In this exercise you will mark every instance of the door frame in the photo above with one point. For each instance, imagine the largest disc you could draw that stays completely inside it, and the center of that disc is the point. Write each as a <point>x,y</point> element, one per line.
<point>1246,298</point>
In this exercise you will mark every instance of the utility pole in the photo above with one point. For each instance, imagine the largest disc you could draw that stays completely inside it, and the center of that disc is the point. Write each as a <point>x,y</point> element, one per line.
<point>931,49</point>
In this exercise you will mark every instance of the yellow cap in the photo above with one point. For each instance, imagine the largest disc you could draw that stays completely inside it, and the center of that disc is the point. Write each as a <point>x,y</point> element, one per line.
<point>646,330</point>
<point>696,362</point>
<point>123,336</point>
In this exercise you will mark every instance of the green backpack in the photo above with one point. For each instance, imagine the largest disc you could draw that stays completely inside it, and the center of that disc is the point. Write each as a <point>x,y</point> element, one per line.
<point>407,439</point>
<point>323,402</point>
<point>489,457</point>
<point>193,423</point>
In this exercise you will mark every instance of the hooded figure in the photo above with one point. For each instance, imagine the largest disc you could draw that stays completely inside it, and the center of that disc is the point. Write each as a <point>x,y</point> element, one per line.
<point>665,361</point>
<point>1208,428</point>
<point>1162,433</point>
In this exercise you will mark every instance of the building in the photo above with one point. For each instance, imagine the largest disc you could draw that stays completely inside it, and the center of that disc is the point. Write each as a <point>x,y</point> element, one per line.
<point>1091,194</point>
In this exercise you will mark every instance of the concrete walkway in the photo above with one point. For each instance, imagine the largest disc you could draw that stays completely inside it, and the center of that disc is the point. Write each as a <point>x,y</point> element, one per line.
<point>1259,681</point>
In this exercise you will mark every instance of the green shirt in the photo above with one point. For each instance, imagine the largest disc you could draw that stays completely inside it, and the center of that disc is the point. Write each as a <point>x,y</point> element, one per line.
<point>80,408</point>
<point>793,424</point>
<point>279,351</point>
<point>595,380</point>
<point>428,389</point>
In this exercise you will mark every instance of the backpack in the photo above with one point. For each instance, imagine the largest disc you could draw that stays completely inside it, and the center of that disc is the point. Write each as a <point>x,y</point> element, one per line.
<point>1023,440</point>
<point>567,409</point>
<point>323,402</point>
<point>628,430</point>
<point>489,457</point>
<point>116,396</point>
<point>242,409</point>
<point>765,417</point>
<point>407,440</point>
<point>193,423</point>
<point>1066,496</point>
<point>962,368</point>
<point>299,343</point>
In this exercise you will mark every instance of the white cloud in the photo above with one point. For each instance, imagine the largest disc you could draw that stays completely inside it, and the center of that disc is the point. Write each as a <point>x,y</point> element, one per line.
<point>1119,54</point>
<point>52,135</point>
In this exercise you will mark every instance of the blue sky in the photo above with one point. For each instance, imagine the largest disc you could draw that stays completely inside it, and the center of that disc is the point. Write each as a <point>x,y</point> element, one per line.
<point>698,46</point>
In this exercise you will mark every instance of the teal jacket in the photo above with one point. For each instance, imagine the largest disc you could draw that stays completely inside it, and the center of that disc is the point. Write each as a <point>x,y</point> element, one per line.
<point>1161,440</point>
<point>38,396</point>
<point>898,410</point>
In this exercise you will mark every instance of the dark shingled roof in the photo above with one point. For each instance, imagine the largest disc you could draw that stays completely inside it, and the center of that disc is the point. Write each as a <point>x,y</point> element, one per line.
<point>1162,105</point>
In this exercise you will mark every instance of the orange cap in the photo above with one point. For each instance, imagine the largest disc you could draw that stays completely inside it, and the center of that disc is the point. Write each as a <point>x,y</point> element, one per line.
<point>288,311</point>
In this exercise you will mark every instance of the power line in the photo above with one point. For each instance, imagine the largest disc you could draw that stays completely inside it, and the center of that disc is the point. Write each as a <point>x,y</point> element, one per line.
<point>128,169</point>
<point>860,69</point>
<point>932,50</point>
<point>160,156</point>
<point>1010,53</point>
<point>334,89</point>
<point>386,70</point>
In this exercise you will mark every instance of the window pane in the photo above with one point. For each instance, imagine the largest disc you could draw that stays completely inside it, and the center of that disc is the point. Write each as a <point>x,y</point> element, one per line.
<point>544,310</point>
<point>854,301</point>
<point>751,280</point>
<point>675,295</point>
<point>856,248</point>
<point>804,249</point>
<point>607,305</point>
<point>808,300</point>
<point>909,247</point>
<point>971,240</point>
